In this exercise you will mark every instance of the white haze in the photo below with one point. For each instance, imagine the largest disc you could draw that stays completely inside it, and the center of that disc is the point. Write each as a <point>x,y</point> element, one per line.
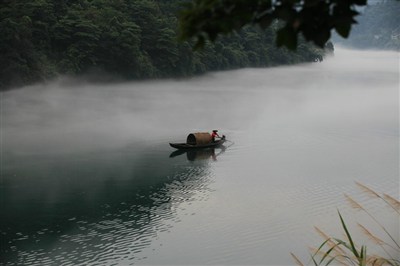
<point>65,115</point>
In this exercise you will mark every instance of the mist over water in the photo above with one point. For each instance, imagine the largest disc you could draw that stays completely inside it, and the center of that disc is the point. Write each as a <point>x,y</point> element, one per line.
<point>47,117</point>
<point>88,176</point>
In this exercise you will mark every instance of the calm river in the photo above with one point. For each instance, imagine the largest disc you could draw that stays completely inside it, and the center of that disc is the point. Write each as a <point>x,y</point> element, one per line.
<point>88,177</point>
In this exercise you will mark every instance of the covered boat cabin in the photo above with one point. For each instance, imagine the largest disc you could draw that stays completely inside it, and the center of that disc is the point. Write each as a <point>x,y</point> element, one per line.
<point>200,138</point>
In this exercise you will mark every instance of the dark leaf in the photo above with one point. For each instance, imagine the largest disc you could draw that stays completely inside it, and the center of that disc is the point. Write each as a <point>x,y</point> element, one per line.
<point>343,29</point>
<point>287,37</point>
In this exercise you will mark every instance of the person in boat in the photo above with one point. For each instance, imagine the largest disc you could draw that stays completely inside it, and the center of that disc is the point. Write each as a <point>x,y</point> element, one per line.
<point>214,134</point>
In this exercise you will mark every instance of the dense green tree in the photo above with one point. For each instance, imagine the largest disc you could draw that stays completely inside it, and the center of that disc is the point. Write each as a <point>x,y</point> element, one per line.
<point>25,36</point>
<point>127,38</point>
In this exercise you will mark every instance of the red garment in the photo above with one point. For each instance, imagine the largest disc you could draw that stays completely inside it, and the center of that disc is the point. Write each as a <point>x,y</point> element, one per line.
<point>214,134</point>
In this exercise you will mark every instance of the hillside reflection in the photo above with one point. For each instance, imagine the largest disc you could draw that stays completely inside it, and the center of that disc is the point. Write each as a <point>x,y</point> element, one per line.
<point>73,208</point>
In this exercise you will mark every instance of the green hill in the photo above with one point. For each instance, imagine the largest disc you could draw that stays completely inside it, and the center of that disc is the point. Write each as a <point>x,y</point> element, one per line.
<point>128,39</point>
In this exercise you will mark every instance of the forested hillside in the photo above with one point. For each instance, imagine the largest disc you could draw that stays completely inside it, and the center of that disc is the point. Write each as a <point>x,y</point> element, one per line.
<point>378,28</point>
<point>133,39</point>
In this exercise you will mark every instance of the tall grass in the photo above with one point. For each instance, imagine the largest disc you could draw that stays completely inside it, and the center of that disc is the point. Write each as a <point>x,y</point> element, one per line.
<point>345,251</point>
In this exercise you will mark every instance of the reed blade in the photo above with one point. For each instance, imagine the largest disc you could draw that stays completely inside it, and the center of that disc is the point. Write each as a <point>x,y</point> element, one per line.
<point>353,248</point>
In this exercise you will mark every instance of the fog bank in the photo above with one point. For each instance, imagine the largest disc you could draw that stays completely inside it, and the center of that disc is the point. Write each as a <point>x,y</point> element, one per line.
<point>68,116</point>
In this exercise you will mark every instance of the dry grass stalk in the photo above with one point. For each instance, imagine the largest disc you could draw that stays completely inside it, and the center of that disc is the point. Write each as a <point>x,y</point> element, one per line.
<point>356,256</point>
<point>340,258</point>
<point>368,190</point>
<point>392,201</point>
<point>354,204</point>
<point>376,261</point>
<point>321,233</point>
<point>346,260</point>
<point>298,262</point>
<point>375,239</point>
<point>329,240</point>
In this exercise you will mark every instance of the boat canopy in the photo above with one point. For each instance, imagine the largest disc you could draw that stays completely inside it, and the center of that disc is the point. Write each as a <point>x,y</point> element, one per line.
<point>200,138</point>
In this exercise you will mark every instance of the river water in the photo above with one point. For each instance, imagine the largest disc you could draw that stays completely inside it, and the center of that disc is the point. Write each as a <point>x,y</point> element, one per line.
<point>88,177</point>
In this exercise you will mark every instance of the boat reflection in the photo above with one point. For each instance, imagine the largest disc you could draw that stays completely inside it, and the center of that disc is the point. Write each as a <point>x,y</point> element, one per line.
<point>200,154</point>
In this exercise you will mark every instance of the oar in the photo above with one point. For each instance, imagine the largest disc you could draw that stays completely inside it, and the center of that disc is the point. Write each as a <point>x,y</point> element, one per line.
<point>230,141</point>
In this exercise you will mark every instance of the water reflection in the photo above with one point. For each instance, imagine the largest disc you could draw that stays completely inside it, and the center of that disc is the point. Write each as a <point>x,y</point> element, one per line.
<point>200,154</point>
<point>94,208</point>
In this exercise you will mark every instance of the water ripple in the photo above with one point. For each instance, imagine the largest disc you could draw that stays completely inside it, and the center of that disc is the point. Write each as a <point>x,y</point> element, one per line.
<point>125,229</point>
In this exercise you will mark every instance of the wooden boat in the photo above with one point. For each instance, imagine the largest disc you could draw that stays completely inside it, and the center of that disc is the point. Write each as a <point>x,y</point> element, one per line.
<point>187,146</point>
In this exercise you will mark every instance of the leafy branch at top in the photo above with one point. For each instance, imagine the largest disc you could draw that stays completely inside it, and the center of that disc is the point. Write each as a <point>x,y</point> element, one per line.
<point>314,19</point>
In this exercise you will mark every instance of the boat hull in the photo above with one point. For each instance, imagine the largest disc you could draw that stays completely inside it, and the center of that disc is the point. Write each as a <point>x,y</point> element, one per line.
<point>185,146</point>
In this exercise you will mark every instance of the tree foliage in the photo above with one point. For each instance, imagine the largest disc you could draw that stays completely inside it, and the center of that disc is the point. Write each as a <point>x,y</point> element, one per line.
<point>313,19</point>
<point>378,28</point>
<point>127,38</point>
